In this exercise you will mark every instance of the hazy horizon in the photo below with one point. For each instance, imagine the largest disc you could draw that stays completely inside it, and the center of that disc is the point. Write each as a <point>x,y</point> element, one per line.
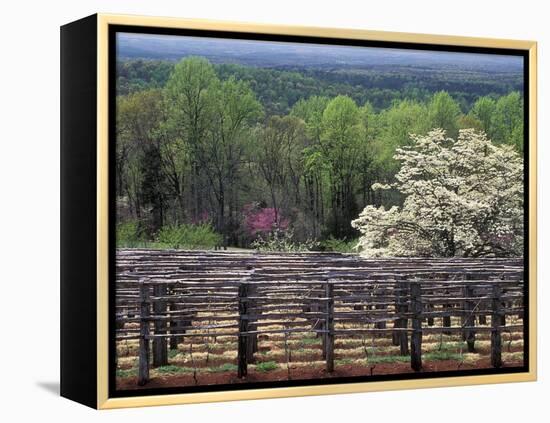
<point>284,54</point>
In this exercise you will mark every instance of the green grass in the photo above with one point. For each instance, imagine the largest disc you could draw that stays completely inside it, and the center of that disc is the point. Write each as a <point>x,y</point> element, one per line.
<point>266,366</point>
<point>310,335</point>
<point>389,359</point>
<point>173,353</point>
<point>311,341</point>
<point>171,369</point>
<point>344,361</point>
<point>129,235</point>
<point>227,367</point>
<point>126,373</point>
<point>441,355</point>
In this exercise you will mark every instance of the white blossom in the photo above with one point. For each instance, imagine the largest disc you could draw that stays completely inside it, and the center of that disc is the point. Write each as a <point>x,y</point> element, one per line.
<point>462,197</point>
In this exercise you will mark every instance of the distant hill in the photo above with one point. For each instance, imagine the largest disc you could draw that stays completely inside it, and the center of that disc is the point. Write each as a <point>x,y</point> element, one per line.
<point>281,55</point>
<point>282,73</point>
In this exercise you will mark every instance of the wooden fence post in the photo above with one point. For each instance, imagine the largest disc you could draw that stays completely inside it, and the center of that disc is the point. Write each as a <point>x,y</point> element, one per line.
<point>145,302</point>
<point>252,346</point>
<point>174,323</point>
<point>496,341</point>
<point>447,318</point>
<point>382,324</point>
<point>482,318</point>
<point>469,318</point>
<point>430,308</point>
<point>320,307</point>
<point>160,346</point>
<point>395,333</point>
<point>242,354</point>
<point>462,311</point>
<point>506,304</point>
<point>416,337</point>
<point>400,336</point>
<point>329,326</point>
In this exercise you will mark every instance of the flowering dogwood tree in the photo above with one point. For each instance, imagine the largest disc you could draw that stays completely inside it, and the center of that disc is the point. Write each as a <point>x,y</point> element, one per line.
<point>463,197</point>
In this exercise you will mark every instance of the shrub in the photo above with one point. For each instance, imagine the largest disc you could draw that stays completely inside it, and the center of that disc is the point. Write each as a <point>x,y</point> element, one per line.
<point>190,237</point>
<point>340,245</point>
<point>283,242</point>
<point>129,235</point>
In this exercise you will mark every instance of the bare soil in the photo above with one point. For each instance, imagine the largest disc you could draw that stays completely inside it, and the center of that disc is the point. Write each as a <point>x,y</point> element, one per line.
<point>302,373</point>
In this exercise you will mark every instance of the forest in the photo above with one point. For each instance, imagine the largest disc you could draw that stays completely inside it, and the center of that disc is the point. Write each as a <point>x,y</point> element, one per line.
<point>225,155</point>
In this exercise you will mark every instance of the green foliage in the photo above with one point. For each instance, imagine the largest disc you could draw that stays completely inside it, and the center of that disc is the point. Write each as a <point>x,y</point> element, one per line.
<point>311,110</point>
<point>197,141</point>
<point>340,245</point>
<point>267,366</point>
<point>395,126</point>
<point>278,157</point>
<point>191,237</point>
<point>340,121</point>
<point>483,110</point>
<point>279,89</point>
<point>507,123</point>
<point>137,75</point>
<point>282,241</point>
<point>138,158</point>
<point>129,235</point>
<point>211,119</point>
<point>501,119</point>
<point>443,112</point>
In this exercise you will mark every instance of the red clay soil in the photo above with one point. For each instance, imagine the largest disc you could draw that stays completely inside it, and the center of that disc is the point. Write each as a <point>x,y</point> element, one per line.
<point>301,373</point>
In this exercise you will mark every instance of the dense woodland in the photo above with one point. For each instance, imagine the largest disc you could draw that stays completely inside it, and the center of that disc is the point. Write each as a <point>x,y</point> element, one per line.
<point>248,153</point>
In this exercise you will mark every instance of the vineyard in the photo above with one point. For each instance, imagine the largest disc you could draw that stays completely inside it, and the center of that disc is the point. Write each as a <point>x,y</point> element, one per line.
<point>206,317</point>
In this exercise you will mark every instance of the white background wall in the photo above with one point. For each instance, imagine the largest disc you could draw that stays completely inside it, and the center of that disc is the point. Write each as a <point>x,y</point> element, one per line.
<point>29,208</point>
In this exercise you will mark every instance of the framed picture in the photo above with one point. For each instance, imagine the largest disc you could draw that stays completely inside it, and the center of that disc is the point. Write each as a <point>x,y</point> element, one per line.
<point>256,211</point>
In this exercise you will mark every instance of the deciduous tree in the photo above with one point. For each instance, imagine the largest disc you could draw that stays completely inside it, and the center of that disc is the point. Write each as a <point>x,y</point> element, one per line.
<point>463,197</point>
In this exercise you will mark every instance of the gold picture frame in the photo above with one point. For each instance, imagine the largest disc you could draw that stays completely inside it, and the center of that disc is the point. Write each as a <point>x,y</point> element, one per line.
<point>102,22</point>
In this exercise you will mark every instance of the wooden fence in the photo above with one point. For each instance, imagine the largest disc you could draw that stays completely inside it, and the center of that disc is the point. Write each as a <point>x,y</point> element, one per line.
<point>174,295</point>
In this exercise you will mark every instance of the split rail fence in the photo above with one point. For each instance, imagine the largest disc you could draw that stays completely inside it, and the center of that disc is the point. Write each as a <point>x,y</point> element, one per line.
<point>178,294</point>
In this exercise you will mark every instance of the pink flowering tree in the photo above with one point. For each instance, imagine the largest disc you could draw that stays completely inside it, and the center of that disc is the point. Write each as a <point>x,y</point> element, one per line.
<point>261,221</point>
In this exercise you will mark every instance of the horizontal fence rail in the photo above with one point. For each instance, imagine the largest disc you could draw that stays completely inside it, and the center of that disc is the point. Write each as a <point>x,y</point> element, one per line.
<point>165,297</point>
